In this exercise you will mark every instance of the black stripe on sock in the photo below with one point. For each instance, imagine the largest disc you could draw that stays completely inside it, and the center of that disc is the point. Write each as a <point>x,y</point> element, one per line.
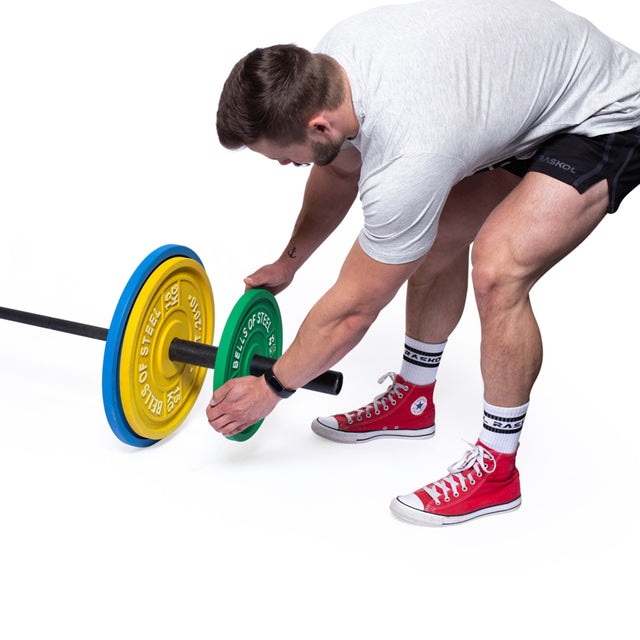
<point>503,419</point>
<point>427,365</point>
<point>500,424</point>
<point>422,358</point>
<point>504,431</point>
<point>422,353</point>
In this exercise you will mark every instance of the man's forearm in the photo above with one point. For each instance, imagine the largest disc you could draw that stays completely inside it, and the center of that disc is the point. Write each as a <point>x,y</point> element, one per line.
<point>324,338</point>
<point>328,197</point>
<point>339,320</point>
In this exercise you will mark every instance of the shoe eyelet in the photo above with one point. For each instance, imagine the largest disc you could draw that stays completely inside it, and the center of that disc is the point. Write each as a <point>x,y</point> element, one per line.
<point>349,421</point>
<point>400,395</point>
<point>359,418</point>
<point>479,474</point>
<point>438,503</point>
<point>393,402</point>
<point>377,412</point>
<point>456,495</point>
<point>447,499</point>
<point>472,481</point>
<point>465,489</point>
<point>368,415</point>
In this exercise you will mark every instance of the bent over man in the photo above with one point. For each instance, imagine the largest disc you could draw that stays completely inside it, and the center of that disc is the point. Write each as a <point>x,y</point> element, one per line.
<point>512,126</point>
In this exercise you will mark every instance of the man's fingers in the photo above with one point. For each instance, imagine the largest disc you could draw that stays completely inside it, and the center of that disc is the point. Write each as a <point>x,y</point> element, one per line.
<point>272,277</point>
<point>258,278</point>
<point>216,414</point>
<point>240,403</point>
<point>225,425</point>
<point>221,412</point>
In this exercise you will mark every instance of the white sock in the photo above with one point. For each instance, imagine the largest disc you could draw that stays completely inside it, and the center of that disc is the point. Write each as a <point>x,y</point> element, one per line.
<point>420,361</point>
<point>501,427</point>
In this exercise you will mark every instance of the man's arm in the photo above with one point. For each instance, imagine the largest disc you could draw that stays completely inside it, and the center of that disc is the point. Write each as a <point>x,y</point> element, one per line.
<point>329,194</point>
<point>333,327</point>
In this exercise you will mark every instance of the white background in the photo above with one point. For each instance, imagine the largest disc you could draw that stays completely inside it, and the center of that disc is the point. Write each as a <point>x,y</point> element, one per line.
<point>108,150</point>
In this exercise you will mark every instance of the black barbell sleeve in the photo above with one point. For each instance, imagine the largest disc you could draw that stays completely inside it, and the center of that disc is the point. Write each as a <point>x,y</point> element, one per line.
<point>203,355</point>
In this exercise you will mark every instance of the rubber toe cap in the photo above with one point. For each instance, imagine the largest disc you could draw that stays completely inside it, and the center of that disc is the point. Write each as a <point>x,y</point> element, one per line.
<point>411,500</point>
<point>328,421</point>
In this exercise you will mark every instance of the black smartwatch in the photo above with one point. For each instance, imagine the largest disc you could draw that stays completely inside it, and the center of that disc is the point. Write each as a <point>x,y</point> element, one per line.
<point>276,386</point>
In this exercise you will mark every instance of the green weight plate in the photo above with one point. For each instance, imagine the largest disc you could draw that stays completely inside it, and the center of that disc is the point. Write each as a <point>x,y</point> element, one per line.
<point>254,327</point>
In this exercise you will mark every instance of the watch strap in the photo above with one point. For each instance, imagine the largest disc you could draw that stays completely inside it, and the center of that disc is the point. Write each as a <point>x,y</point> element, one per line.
<point>276,386</point>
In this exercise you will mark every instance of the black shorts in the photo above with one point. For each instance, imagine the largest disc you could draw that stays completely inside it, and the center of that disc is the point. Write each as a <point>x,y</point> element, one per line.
<point>583,162</point>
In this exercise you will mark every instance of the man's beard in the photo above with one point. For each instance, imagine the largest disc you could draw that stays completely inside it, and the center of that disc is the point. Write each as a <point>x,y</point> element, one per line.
<point>325,153</point>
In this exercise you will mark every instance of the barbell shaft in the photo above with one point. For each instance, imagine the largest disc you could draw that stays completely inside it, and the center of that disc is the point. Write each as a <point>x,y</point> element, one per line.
<point>185,351</point>
<point>55,324</point>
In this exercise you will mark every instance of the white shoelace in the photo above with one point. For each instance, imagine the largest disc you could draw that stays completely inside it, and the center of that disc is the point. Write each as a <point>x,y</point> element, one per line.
<point>477,460</point>
<point>395,388</point>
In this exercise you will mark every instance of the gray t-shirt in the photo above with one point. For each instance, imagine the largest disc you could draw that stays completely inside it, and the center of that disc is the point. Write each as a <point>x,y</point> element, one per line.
<point>443,88</point>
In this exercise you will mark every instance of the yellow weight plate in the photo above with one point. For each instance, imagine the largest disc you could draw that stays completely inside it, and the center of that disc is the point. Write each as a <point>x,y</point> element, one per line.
<point>176,301</point>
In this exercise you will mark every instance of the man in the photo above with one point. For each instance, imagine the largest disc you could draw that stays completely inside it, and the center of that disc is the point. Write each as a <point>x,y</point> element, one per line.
<point>511,124</point>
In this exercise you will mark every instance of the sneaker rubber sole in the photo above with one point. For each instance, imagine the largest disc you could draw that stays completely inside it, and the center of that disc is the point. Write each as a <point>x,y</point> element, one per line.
<point>416,516</point>
<point>352,437</point>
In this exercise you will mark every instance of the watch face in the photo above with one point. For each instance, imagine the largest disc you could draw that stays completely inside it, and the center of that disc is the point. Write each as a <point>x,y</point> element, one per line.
<point>276,385</point>
<point>274,382</point>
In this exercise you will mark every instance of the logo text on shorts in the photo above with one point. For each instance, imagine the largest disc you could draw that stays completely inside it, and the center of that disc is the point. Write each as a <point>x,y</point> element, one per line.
<point>554,162</point>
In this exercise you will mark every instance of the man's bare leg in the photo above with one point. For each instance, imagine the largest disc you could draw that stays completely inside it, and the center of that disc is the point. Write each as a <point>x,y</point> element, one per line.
<point>436,293</point>
<point>537,225</point>
<point>435,299</point>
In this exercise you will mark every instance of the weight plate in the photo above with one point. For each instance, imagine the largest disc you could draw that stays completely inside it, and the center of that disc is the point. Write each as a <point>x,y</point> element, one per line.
<point>254,327</point>
<point>111,362</point>
<point>175,302</point>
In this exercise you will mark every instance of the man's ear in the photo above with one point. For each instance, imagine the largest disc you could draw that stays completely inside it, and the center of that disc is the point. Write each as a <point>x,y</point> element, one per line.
<point>320,124</point>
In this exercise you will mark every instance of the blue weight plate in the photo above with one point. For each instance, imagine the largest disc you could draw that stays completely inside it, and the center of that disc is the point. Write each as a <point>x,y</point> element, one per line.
<point>111,364</point>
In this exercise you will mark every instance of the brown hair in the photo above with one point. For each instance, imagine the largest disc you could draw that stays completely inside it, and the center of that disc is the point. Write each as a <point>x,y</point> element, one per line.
<point>273,92</point>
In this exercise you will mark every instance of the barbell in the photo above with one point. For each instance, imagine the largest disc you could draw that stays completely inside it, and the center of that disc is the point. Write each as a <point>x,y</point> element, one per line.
<point>158,345</point>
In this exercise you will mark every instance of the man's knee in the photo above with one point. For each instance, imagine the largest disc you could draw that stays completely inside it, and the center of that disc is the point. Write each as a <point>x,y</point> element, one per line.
<point>499,282</point>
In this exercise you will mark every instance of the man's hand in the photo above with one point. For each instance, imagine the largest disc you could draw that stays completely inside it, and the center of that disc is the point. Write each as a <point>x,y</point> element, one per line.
<point>239,403</point>
<point>273,277</point>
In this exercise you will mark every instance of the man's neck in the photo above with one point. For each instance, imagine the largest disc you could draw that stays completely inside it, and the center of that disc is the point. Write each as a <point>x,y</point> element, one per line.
<point>347,113</point>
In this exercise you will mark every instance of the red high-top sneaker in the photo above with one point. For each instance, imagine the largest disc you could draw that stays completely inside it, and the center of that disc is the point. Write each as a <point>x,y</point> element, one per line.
<point>404,410</point>
<point>483,482</point>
